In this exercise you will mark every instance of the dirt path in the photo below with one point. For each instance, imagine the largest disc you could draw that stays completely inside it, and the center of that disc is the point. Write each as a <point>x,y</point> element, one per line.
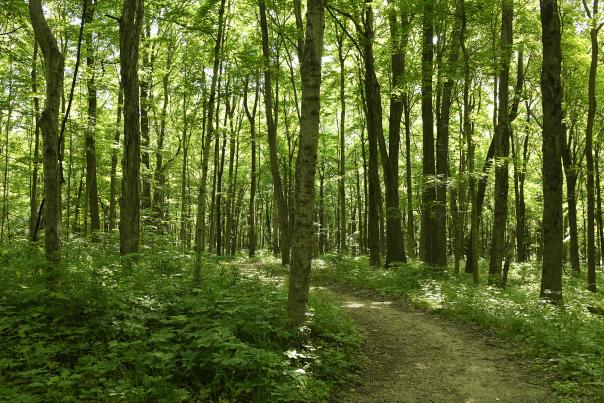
<point>413,356</point>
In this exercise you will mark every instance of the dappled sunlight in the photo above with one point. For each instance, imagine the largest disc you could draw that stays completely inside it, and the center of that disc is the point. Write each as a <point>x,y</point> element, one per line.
<point>353,305</point>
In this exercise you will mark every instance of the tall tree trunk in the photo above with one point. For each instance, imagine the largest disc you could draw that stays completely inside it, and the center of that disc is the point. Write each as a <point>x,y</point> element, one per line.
<point>251,116</point>
<point>591,114</point>
<point>519,180</point>
<point>159,195</point>
<point>399,36</point>
<point>207,141</point>
<point>48,122</point>
<point>114,158</point>
<point>144,120</point>
<point>303,231</point>
<point>551,89</point>
<point>5,184</point>
<point>472,249</point>
<point>182,234</point>
<point>91,181</point>
<point>272,141</point>
<point>428,227</point>
<point>502,146</point>
<point>599,203</point>
<point>131,23</point>
<point>570,172</point>
<point>442,143</point>
<point>33,198</point>
<point>374,131</point>
<point>411,243</point>
<point>342,163</point>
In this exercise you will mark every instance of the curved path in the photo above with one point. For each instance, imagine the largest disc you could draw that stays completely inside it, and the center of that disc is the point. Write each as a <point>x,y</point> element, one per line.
<point>413,356</point>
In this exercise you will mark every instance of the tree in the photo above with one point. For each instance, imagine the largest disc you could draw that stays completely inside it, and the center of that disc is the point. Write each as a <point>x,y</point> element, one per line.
<point>428,226</point>
<point>284,226</point>
<point>131,23</point>
<point>502,146</point>
<point>591,115</point>
<point>48,122</point>
<point>310,72</point>
<point>551,90</point>
<point>91,180</point>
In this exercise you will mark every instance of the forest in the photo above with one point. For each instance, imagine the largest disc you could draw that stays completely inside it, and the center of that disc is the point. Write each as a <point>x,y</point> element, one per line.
<point>301,200</point>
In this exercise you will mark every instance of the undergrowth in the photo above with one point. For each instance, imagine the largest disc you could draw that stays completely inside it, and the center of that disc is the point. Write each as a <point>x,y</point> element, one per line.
<point>568,342</point>
<point>138,330</point>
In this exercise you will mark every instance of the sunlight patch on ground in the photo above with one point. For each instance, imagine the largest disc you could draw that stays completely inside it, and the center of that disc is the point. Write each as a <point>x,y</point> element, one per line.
<point>381,303</point>
<point>353,305</point>
<point>432,295</point>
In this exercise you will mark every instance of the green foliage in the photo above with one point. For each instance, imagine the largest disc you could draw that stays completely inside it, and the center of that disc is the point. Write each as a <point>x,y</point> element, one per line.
<point>568,341</point>
<point>141,332</point>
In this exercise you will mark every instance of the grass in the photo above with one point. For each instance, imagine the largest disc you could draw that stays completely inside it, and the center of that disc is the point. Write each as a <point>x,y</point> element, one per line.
<point>567,342</point>
<point>138,330</point>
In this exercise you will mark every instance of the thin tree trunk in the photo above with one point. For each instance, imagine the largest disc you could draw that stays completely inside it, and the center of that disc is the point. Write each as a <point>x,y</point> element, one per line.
<point>374,131</point>
<point>570,171</point>
<point>342,162</point>
<point>205,154</point>
<point>33,200</point>
<point>442,143</point>
<point>114,158</point>
<point>144,121</point>
<point>591,114</point>
<point>91,180</point>
<point>502,145</point>
<point>599,203</point>
<point>5,185</point>
<point>428,227</point>
<point>159,195</point>
<point>272,141</point>
<point>183,178</point>
<point>251,116</point>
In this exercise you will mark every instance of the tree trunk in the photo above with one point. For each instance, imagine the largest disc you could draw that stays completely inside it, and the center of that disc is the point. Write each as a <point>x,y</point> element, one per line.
<point>184,219</point>
<point>145,103</point>
<point>442,143</point>
<point>33,198</point>
<point>114,152</point>
<point>591,114</point>
<point>251,116</point>
<point>502,146</point>
<point>303,228</point>
<point>411,243</point>
<point>272,141</point>
<point>91,181</point>
<point>374,131</point>
<point>48,122</point>
<point>428,227</point>
<point>551,89</point>
<point>342,163</point>
<point>570,172</point>
<point>131,23</point>
<point>472,249</point>
<point>207,141</point>
<point>399,36</point>
<point>599,203</point>
<point>159,195</point>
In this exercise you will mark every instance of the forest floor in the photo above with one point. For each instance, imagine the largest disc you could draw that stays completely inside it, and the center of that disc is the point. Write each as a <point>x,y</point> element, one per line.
<point>414,356</point>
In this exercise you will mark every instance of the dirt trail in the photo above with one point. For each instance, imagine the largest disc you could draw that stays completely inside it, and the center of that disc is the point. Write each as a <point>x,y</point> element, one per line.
<point>413,356</point>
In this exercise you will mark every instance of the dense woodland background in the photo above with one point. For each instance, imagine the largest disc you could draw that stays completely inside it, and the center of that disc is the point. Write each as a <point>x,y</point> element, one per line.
<point>463,134</point>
